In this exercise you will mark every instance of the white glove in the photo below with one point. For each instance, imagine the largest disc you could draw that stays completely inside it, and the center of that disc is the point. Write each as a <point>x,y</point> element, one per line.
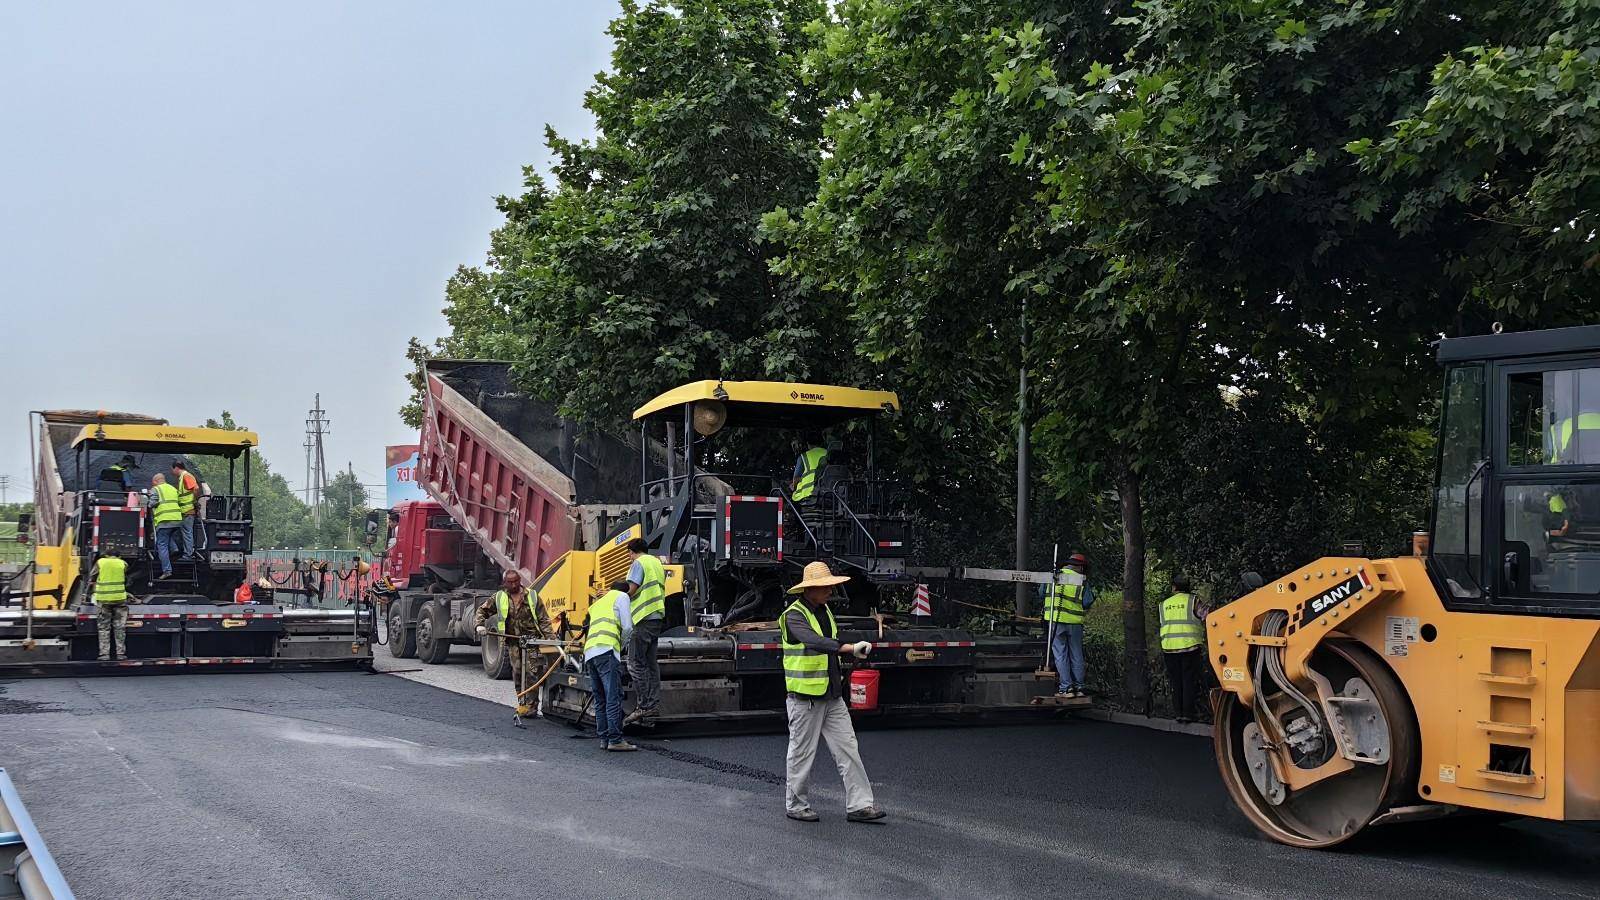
<point>483,630</point>
<point>862,650</point>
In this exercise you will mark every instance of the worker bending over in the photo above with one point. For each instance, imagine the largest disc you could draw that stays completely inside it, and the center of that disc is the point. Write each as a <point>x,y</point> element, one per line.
<point>109,586</point>
<point>647,589</point>
<point>1183,638</point>
<point>607,625</point>
<point>815,704</point>
<point>1065,606</point>
<point>167,514</point>
<point>514,605</point>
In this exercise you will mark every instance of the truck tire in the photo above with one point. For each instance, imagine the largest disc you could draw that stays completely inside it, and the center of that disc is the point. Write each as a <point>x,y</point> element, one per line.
<point>433,623</point>
<point>402,640</point>
<point>496,659</point>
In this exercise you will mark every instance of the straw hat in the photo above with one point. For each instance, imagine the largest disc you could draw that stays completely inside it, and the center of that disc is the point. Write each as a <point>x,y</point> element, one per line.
<point>817,574</point>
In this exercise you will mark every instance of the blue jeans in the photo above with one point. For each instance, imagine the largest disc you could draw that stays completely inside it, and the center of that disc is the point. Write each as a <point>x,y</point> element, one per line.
<point>186,531</point>
<point>1067,648</point>
<point>605,673</point>
<point>166,539</point>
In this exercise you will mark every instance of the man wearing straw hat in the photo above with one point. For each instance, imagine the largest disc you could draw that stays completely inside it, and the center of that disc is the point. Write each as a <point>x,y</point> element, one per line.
<point>811,652</point>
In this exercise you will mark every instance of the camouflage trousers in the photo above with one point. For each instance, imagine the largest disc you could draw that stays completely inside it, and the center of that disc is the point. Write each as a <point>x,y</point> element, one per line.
<point>112,618</point>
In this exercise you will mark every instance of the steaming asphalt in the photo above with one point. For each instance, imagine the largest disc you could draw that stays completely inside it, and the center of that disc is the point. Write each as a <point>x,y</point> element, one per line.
<point>358,785</point>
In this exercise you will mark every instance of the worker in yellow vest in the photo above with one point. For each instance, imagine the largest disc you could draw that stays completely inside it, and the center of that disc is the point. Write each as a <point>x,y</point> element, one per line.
<point>606,627</point>
<point>166,512</point>
<point>1183,642</point>
<point>108,585</point>
<point>1066,604</point>
<point>647,589</point>
<point>514,605</point>
<point>807,466</point>
<point>188,488</point>
<point>815,704</point>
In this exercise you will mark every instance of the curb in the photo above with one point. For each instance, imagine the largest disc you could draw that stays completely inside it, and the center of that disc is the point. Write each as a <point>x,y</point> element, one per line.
<point>1199,729</point>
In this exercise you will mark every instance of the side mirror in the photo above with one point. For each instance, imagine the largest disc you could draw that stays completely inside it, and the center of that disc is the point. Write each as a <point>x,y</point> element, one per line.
<point>1251,581</point>
<point>24,525</point>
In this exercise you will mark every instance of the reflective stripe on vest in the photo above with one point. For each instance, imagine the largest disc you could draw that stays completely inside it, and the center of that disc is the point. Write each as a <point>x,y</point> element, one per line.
<point>1181,629</point>
<point>810,464</point>
<point>805,671</point>
<point>110,580</point>
<point>1063,603</point>
<point>502,603</point>
<point>604,631</point>
<point>167,508</point>
<point>652,597</point>
<point>1561,435</point>
<point>185,495</point>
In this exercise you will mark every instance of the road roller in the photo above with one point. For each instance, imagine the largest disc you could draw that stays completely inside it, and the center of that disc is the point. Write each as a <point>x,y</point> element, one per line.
<point>1356,692</point>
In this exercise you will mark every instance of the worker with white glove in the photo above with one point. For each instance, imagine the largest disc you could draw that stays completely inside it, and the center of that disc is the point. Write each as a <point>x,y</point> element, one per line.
<point>513,604</point>
<point>815,704</point>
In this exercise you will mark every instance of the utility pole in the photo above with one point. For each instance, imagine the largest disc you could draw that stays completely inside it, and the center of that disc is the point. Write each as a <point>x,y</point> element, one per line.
<point>1022,462</point>
<point>350,512</point>
<point>317,426</point>
<point>5,483</point>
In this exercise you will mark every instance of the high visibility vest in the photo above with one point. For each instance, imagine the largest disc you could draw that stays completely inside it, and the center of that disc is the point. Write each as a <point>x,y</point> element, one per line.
<point>805,671</point>
<point>167,506</point>
<point>602,625</point>
<point>186,493</point>
<point>1558,504</point>
<point>652,597</point>
<point>502,602</point>
<point>110,580</point>
<point>1561,434</point>
<point>810,464</point>
<point>1063,603</point>
<point>1181,629</point>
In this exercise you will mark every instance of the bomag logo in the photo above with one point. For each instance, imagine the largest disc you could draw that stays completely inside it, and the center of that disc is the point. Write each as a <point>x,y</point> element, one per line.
<point>172,435</point>
<point>234,623</point>
<point>803,395</point>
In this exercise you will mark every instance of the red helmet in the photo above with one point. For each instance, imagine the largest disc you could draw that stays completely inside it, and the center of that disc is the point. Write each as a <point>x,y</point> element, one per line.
<point>1079,560</point>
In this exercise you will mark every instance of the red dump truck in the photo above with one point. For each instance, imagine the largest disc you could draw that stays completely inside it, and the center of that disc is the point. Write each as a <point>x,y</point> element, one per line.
<point>513,486</point>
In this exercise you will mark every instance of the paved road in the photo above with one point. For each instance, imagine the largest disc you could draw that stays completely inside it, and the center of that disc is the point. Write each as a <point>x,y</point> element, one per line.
<point>355,785</point>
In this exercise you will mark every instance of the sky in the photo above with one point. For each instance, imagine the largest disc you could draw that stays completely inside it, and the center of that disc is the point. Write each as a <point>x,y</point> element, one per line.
<point>227,205</point>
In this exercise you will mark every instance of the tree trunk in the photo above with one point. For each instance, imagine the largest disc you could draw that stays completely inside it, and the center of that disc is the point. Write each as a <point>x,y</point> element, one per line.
<point>1135,673</point>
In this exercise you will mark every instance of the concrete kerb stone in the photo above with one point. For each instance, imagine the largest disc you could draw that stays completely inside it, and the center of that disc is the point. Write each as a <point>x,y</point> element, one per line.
<point>1199,729</point>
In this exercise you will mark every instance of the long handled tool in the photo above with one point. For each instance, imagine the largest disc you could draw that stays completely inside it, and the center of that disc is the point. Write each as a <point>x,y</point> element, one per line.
<point>1047,665</point>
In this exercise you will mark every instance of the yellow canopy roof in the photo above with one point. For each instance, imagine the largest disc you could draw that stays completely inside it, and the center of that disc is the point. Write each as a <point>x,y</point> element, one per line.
<point>166,438</point>
<point>777,403</point>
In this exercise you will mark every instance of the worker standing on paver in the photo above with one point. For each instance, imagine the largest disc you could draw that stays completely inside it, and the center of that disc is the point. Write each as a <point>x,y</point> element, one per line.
<point>609,621</point>
<point>167,515</point>
<point>117,475</point>
<point>1183,640</point>
<point>807,466</point>
<point>815,705</point>
<point>188,489</point>
<point>1065,605</point>
<point>647,588</point>
<point>109,586</point>
<point>514,605</point>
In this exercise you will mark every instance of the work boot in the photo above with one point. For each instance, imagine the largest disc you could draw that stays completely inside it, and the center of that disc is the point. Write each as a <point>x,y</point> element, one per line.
<point>104,658</point>
<point>621,747</point>
<point>1063,695</point>
<point>803,815</point>
<point>638,715</point>
<point>865,814</point>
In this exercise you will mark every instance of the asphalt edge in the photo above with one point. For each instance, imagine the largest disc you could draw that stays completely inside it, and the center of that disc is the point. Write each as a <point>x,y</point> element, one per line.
<point>1199,729</point>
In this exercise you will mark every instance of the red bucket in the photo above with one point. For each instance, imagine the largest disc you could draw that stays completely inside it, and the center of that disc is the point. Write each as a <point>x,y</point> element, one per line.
<point>864,689</point>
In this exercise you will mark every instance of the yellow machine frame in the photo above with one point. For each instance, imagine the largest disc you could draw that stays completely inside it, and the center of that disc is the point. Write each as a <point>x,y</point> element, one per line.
<point>1473,679</point>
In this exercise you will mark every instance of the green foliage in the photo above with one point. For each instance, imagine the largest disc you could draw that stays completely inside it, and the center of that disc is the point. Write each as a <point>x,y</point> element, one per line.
<point>1231,230</point>
<point>282,519</point>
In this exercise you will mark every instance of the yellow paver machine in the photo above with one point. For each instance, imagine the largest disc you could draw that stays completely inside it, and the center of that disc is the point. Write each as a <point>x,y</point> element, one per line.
<point>1463,677</point>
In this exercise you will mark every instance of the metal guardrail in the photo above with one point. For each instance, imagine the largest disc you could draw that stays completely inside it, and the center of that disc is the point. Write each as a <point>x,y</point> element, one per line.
<point>27,869</point>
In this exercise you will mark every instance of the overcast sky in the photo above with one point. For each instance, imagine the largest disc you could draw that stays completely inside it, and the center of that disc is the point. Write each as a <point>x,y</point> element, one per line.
<point>227,205</point>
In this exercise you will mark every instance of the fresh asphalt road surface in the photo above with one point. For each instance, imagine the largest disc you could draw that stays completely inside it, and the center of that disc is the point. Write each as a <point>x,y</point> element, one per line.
<point>358,785</point>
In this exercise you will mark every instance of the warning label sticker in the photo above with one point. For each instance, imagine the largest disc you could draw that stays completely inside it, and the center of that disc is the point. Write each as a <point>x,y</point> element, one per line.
<point>1400,634</point>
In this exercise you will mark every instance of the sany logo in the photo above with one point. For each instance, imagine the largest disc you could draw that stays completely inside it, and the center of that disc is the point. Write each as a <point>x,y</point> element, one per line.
<point>1336,595</point>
